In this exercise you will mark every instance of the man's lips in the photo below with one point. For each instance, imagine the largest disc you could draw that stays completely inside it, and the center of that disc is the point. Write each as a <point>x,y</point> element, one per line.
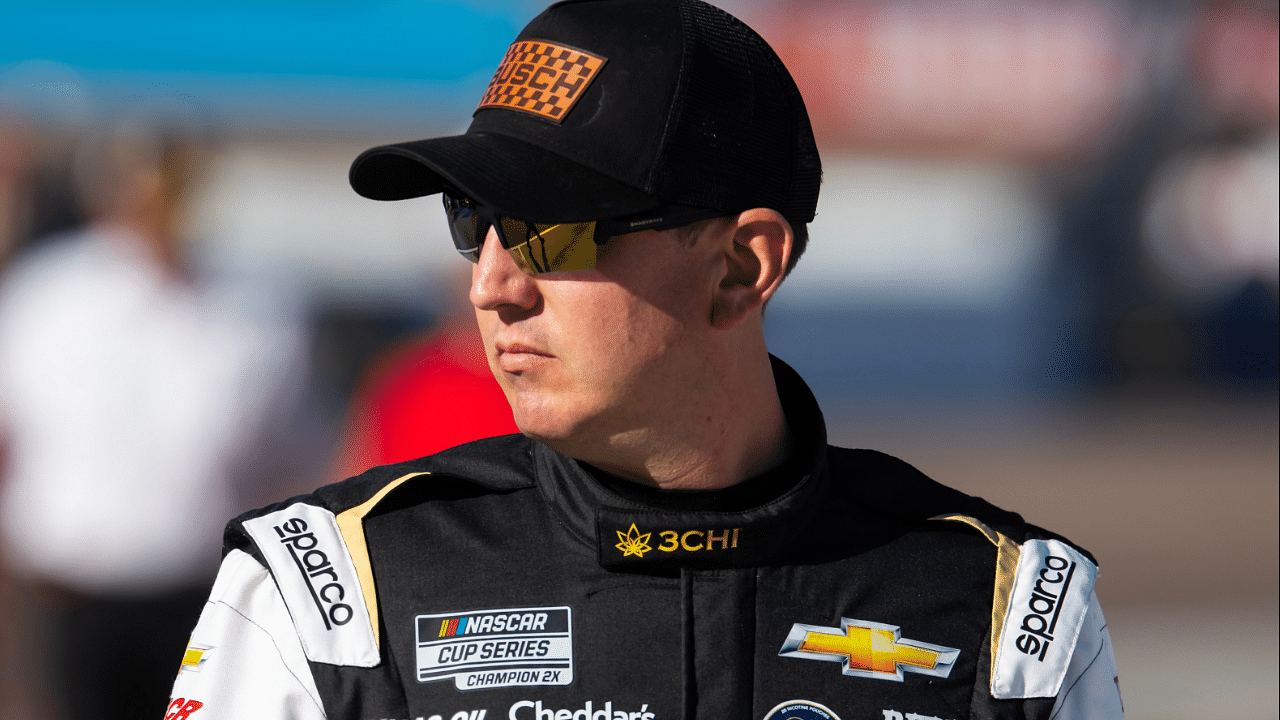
<point>517,357</point>
<point>516,348</point>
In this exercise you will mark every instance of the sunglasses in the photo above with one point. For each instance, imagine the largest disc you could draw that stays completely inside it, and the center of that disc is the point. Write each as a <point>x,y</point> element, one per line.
<point>551,247</point>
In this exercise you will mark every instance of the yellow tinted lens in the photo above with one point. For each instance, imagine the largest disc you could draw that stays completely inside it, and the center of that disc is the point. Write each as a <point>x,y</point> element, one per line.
<point>549,248</point>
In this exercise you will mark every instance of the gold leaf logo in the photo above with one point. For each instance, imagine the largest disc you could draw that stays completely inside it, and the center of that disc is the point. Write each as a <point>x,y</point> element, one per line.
<point>633,542</point>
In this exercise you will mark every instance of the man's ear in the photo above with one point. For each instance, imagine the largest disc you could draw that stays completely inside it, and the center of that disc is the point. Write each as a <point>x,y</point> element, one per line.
<point>756,251</point>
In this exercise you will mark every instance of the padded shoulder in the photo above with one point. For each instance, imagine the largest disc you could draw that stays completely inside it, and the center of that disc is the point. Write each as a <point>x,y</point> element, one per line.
<point>318,576</point>
<point>314,545</point>
<point>1042,586</point>
<point>896,488</point>
<point>500,464</point>
<point>1035,532</point>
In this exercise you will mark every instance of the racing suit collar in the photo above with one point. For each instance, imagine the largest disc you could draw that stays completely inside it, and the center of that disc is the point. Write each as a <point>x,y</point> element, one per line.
<point>626,533</point>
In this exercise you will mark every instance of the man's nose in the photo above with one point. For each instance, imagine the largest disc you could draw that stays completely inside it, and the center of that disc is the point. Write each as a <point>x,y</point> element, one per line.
<point>496,279</point>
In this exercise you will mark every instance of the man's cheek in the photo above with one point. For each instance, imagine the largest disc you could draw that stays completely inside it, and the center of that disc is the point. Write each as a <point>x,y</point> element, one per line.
<point>486,323</point>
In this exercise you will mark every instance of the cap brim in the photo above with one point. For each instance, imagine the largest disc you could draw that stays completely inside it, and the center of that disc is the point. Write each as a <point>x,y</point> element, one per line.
<point>515,177</point>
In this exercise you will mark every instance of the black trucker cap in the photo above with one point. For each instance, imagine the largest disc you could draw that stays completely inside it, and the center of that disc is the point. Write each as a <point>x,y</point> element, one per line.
<point>609,108</point>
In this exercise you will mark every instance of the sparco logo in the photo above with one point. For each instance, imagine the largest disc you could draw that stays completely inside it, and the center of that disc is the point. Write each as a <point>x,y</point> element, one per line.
<point>1045,604</point>
<point>317,572</point>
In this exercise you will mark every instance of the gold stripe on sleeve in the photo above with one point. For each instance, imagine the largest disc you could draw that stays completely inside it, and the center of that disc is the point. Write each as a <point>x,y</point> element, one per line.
<point>351,525</point>
<point>1007,554</point>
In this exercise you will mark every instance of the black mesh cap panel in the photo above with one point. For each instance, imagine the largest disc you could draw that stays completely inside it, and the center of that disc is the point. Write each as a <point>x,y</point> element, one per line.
<point>741,138</point>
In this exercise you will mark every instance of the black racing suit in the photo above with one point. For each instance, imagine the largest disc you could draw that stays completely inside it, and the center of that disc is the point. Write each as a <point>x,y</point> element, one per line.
<point>500,579</point>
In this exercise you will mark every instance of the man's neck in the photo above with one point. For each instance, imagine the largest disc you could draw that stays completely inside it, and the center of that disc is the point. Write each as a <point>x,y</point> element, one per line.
<point>753,492</point>
<point>735,432</point>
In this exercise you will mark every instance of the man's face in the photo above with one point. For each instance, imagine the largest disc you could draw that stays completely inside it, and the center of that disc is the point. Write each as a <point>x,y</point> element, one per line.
<point>591,357</point>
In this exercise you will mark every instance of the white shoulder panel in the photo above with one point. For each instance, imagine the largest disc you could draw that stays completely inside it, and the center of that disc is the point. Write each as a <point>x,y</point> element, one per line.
<point>244,659</point>
<point>1051,592</point>
<point>313,567</point>
<point>1091,690</point>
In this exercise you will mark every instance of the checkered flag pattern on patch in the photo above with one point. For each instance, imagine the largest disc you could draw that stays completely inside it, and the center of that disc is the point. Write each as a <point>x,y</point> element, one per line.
<point>541,78</point>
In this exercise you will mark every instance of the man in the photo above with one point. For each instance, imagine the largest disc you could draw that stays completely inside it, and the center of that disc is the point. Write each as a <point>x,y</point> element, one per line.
<point>670,536</point>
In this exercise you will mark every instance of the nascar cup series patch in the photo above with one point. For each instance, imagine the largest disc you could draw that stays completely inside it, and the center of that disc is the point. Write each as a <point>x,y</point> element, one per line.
<point>313,569</point>
<point>1051,592</point>
<point>496,648</point>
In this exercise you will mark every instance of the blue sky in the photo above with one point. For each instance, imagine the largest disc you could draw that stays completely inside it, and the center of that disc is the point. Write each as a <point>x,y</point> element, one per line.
<point>399,39</point>
<point>266,63</point>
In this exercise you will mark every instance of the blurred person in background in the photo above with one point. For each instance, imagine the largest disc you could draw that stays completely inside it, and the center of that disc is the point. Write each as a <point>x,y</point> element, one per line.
<point>15,177</point>
<point>1209,213</point>
<point>1171,239</point>
<point>427,393</point>
<point>36,202</point>
<point>36,196</point>
<point>134,404</point>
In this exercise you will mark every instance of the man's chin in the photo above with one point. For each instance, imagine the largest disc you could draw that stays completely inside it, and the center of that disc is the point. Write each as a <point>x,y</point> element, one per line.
<point>565,436</point>
<point>550,430</point>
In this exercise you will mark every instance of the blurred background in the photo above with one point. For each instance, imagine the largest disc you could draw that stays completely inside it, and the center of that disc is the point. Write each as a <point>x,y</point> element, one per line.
<point>1043,270</point>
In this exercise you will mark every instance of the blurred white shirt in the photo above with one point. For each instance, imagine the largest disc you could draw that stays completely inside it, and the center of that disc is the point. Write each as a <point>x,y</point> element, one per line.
<point>128,398</point>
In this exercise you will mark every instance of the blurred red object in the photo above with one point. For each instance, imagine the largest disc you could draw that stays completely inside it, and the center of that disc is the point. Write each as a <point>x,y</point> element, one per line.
<point>426,395</point>
<point>1235,56</point>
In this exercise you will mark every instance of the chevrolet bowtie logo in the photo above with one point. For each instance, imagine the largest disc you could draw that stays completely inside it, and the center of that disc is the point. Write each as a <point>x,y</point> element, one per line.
<point>194,657</point>
<point>868,649</point>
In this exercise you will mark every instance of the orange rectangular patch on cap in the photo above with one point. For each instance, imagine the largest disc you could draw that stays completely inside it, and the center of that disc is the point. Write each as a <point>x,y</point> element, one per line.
<point>541,78</point>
